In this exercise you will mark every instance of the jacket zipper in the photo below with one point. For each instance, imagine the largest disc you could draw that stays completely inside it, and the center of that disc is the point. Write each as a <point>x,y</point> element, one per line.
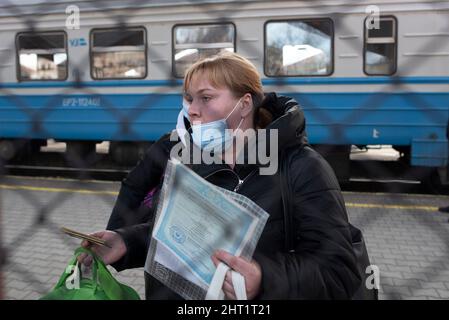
<point>240,183</point>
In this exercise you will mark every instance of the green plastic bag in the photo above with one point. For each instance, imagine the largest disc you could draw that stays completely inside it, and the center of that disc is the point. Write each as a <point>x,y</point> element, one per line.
<point>102,286</point>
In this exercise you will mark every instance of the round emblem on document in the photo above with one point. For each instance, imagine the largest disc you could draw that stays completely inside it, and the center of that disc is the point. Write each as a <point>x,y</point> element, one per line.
<point>177,234</point>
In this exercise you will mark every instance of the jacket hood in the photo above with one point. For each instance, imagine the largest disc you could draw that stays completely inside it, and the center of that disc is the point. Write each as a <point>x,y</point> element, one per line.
<point>288,120</point>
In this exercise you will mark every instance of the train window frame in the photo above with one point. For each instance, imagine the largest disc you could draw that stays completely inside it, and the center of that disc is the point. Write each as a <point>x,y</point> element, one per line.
<point>383,40</point>
<point>18,66</point>
<point>173,47</point>
<point>332,36</point>
<point>92,50</point>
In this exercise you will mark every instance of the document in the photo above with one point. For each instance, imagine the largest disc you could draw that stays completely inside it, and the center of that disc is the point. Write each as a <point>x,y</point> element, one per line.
<point>195,219</point>
<point>83,236</point>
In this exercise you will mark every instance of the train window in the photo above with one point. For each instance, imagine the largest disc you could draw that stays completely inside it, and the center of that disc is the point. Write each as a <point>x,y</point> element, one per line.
<point>380,48</point>
<point>192,42</point>
<point>299,47</point>
<point>118,53</point>
<point>42,56</point>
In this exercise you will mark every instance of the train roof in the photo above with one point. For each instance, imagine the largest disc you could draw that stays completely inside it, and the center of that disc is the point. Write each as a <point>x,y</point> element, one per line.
<point>28,7</point>
<point>24,7</point>
<point>17,8</point>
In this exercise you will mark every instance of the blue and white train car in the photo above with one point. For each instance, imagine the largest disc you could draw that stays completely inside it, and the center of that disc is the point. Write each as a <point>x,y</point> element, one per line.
<point>365,72</point>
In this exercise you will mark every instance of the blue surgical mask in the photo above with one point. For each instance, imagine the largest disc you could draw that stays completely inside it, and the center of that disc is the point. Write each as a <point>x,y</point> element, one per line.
<point>185,109</point>
<point>214,135</point>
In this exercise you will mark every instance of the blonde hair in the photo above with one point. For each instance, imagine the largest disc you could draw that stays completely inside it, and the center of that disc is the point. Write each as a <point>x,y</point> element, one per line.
<point>234,72</point>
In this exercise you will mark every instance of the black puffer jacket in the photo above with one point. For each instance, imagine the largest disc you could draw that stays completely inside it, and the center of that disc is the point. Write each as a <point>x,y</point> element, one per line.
<point>323,265</point>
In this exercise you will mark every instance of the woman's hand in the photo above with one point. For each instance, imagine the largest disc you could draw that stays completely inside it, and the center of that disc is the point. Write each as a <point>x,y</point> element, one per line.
<point>109,255</point>
<point>250,270</point>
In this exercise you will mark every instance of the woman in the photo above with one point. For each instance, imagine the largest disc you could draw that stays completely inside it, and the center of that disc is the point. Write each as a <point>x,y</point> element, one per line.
<point>225,91</point>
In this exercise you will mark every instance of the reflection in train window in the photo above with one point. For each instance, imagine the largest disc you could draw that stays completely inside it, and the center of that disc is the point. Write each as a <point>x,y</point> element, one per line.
<point>42,56</point>
<point>193,42</point>
<point>118,53</point>
<point>380,47</point>
<point>299,48</point>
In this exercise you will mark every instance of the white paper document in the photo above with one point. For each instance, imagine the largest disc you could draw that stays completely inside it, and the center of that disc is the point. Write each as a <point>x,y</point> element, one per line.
<point>195,219</point>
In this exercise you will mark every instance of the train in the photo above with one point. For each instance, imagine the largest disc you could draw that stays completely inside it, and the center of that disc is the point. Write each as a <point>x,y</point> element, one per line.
<point>365,73</point>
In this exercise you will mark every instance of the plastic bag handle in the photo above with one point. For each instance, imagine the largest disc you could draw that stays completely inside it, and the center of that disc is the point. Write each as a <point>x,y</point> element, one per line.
<point>216,293</point>
<point>74,263</point>
<point>101,276</point>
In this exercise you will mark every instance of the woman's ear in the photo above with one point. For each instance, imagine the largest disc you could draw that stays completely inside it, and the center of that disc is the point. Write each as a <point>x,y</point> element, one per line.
<point>247,105</point>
